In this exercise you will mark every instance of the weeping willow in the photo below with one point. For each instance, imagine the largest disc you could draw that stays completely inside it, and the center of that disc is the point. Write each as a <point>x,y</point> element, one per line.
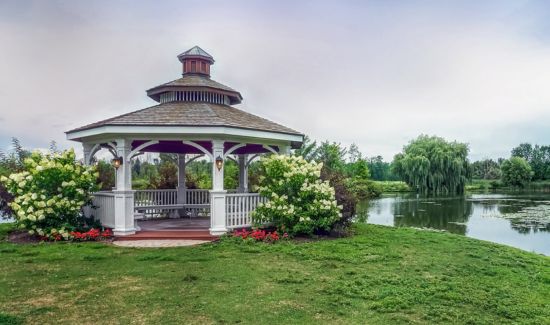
<point>432,165</point>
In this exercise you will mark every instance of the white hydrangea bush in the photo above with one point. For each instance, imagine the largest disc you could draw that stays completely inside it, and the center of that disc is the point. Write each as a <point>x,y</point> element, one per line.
<point>299,202</point>
<point>50,193</point>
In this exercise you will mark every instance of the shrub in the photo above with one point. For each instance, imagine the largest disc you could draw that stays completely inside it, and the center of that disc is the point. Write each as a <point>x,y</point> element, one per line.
<point>299,201</point>
<point>344,198</point>
<point>364,188</point>
<point>393,186</point>
<point>50,193</point>
<point>516,172</point>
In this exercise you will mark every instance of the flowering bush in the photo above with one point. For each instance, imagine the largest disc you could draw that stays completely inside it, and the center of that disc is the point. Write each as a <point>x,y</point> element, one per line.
<point>259,235</point>
<point>50,193</point>
<point>299,201</point>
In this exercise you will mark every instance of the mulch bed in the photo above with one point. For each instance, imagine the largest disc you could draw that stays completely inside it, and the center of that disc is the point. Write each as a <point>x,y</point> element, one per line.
<point>22,237</point>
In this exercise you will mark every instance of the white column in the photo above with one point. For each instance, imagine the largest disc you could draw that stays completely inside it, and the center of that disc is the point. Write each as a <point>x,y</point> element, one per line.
<point>124,196</point>
<point>87,149</point>
<point>217,194</point>
<point>181,180</point>
<point>284,150</point>
<point>243,174</point>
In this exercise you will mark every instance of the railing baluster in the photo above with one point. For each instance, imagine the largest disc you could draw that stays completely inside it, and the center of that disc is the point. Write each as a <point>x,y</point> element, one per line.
<point>239,208</point>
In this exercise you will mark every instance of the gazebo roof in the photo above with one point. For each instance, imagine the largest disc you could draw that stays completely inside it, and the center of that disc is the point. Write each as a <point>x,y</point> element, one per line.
<point>192,114</point>
<point>191,105</point>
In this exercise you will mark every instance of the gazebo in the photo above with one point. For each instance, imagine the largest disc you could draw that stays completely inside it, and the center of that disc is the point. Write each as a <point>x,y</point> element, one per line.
<point>194,118</point>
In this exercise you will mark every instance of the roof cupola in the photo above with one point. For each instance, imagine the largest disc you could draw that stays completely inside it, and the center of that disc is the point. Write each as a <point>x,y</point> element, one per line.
<point>195,85</point>
<point>196,61</point>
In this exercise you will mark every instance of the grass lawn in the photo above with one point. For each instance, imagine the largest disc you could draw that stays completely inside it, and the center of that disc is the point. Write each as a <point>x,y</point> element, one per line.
<point>381,275</point>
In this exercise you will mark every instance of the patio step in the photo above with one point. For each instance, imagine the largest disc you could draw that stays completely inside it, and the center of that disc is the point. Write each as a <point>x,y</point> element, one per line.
<point>170,234</point>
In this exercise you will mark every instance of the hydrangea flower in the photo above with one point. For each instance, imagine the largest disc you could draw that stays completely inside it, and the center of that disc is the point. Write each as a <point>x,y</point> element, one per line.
<point>299,201</point>
<point>50,193</point>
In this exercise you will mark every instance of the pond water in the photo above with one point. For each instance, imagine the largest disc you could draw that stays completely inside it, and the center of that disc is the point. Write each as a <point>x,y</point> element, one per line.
<point>520,220</point>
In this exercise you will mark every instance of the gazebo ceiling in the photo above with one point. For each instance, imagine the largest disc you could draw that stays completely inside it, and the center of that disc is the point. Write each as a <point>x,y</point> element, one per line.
<point>173,146</point>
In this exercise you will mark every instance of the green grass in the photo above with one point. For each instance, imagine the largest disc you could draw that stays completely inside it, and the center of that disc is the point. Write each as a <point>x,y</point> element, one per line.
<point>381,275</point>
<point>487,185</point>
<point>393,186</point>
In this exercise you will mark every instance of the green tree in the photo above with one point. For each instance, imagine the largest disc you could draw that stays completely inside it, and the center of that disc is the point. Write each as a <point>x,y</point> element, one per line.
<point>332,155</point>
<point>380,170</point>
<point>354,154</point>
<point>486,169</point>
<point>136,168</point>
<point>106,178</point>
<point>516,171</point>
<point>538,158</point>
<point>309,149</point>
<point>10,162</point>
<point>167,175</point>
<point>432,165</point>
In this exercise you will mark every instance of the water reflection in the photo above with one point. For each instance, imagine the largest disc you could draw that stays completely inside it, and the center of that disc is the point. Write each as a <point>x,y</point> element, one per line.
<point>520,220</point>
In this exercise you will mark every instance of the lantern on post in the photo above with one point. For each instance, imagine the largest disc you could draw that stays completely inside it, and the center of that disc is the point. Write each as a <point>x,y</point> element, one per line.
<point>219,163</point>
<point>116,162</point>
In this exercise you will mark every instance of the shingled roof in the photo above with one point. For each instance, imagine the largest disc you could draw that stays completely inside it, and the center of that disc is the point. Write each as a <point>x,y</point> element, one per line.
<point>196,51</point>
<point>192,80</point>
<point>192,114</point>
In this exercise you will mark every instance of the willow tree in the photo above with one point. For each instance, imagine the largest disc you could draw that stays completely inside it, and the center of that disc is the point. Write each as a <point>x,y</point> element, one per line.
<point>432,165</point>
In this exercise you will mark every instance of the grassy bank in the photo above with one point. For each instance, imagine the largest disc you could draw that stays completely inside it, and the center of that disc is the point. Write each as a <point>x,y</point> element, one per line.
<point>393,186</point>
<point>487,185</point>
<point>381,275</point>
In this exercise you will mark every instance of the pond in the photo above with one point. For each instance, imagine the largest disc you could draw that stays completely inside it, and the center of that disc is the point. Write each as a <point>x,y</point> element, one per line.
<point>520,220</point>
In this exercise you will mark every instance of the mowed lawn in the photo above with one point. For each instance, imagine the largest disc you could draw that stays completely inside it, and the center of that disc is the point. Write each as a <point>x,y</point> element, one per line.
<point>381,275</point>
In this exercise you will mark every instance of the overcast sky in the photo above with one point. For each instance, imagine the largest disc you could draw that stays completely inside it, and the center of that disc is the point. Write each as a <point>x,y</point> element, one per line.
<point>376,73</point>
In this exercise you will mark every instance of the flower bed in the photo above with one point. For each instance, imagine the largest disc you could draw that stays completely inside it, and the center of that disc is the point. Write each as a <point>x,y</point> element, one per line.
<point>90,235</point>
<point>259,235</point>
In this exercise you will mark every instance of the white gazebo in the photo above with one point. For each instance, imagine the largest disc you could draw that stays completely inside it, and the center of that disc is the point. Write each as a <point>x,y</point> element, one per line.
<point>194,118</point>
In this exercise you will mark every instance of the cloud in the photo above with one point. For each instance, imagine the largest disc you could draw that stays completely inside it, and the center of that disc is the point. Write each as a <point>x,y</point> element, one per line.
<point>374,74</point>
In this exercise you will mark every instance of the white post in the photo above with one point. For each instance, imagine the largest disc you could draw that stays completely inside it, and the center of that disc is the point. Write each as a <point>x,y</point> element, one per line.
<point>181,195</point>
<point>181,180</point>
<point>284,150</point>
<point>217,194</point>
<point>87,149</point>
<point>243,174</point>
<point>124,196</point>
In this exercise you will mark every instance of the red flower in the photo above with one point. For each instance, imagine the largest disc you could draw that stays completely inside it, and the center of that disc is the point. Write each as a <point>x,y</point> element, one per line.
<point>107,233</point>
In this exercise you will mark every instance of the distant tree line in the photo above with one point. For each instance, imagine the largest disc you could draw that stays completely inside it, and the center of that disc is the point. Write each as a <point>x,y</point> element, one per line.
<point>527,163</point>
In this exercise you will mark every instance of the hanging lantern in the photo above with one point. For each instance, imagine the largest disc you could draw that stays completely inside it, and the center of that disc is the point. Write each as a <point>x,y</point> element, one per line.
<point>116,162</point>
<point>219,162</point>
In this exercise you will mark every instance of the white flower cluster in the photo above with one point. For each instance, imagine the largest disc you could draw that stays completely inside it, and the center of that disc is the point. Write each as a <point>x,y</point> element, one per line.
<point>318,186</point>
<point>299,201</point>
<point>52,187</point>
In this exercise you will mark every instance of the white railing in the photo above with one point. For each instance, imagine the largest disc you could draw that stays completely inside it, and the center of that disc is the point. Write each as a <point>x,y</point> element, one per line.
<point>197,196</point>
<point>149,198</point>
<point>239,208</point>
<point>104,204</point>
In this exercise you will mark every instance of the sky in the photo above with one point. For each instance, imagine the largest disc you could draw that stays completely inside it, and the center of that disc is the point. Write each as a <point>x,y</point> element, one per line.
<point>374,73</point>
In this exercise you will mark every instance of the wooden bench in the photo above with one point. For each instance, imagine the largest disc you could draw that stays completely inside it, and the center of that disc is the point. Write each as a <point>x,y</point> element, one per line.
<point>141,211</point>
